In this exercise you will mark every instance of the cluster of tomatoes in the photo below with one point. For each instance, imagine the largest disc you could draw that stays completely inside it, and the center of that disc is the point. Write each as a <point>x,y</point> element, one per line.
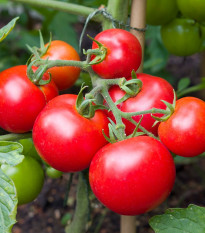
<point>130,176</point>
<point>182,24</point>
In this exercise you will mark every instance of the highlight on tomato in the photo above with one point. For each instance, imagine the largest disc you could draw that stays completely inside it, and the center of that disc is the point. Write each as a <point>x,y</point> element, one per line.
<point>64,76</point>
<point>28,178</point>
<point>66,140</point>
<point>154,89</point>
<point>124,53</point>
<point>132,176</point>
<point>21,100</point>
<point>184,132</point>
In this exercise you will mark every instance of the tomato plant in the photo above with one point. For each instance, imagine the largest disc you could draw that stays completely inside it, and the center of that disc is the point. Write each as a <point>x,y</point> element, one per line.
<point>193,9</point>
<point>184,31</point>
<point>64,76</point>
<point>21,100</point>
<point>154,89</point>
<point>183,132</point>
<point>28,177</point>
<point>124,53</point>
<point>166,11</point>
<point>132,176</point>
<point>66,140</point>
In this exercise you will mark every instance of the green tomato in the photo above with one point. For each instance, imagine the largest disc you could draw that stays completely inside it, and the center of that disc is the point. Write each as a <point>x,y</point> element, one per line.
<point>29,148</point>
<point>53,173</point>
<point>194,9</point>
<point>160,12</point>
<point>28,178</point>
<point>182,37</point>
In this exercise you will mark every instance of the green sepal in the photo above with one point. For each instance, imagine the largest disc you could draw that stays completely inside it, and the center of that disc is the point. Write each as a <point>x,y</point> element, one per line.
<point>100,53</point>
<point>170,110</point>
<point>132,87</point>
<point>36,77</point>
<point>37,53</point>
<point>135,133</point>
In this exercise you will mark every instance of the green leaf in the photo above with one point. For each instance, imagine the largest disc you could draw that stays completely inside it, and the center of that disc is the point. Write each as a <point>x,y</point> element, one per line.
<point>183,84</point>
<point>10,153</point>
<point>82,211</point>
<point>180,220</point>
<point>4,31</point>
<point>8,204</point>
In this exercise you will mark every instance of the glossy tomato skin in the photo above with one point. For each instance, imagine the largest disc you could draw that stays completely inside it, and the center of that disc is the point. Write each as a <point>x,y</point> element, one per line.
<point>124,54</point>
<point>166,11</point>
<point>184,132</point>
<point>66,140</point>
<point>28,177</point>
<point>179,34</point>
<point>193,9</point>
<point>133,176</point>
<point>20,100</point>
<point>64,77</point>
<point>154,89</point>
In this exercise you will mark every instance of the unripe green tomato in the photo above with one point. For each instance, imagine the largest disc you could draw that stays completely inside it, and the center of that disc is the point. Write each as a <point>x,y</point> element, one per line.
<point>203,38</point>
<point>160,12</point>
<point>29,148</point>
<point>182,37</point>
<point>28,178</point>
<point>194,9</point>
<point>53,173</point>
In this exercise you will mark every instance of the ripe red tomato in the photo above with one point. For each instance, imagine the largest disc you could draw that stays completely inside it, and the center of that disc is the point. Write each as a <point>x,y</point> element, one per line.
<point>133,176</point>
<point>166,11</point>
<point>28,177</point>
<point>124,53</point>
<point>154,90</point>
<point>64,77</point>
<point>66,140</point>
<point>184,132</point>
<point>20,100</point>
<point>193,9</point>
<point>179,34</point>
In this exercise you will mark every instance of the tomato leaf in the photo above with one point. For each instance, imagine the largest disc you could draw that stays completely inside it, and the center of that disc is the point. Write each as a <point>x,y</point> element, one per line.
<point>10,153</point>
<point>180,220</point>
<point>183,84</point>
<point>82,210</point>
<point>8,204</point>
<point>4,31</point>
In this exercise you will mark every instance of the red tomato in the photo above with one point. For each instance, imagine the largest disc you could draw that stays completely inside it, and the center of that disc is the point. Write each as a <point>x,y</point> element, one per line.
<point>154,90</point>
<point>64,77</point>
<point>124,53</point>
<point>20,100</point>
<point>133,176</point>
<point>66,140</point>
<point>184,132</point>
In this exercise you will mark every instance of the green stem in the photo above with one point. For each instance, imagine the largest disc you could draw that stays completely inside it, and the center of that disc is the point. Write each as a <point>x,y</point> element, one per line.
<point>150,111</point>
<point>119,11</point>
<point>120,127</point>
<point>15,137</point>
<point>51,63</point>
<point>63,6</point>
